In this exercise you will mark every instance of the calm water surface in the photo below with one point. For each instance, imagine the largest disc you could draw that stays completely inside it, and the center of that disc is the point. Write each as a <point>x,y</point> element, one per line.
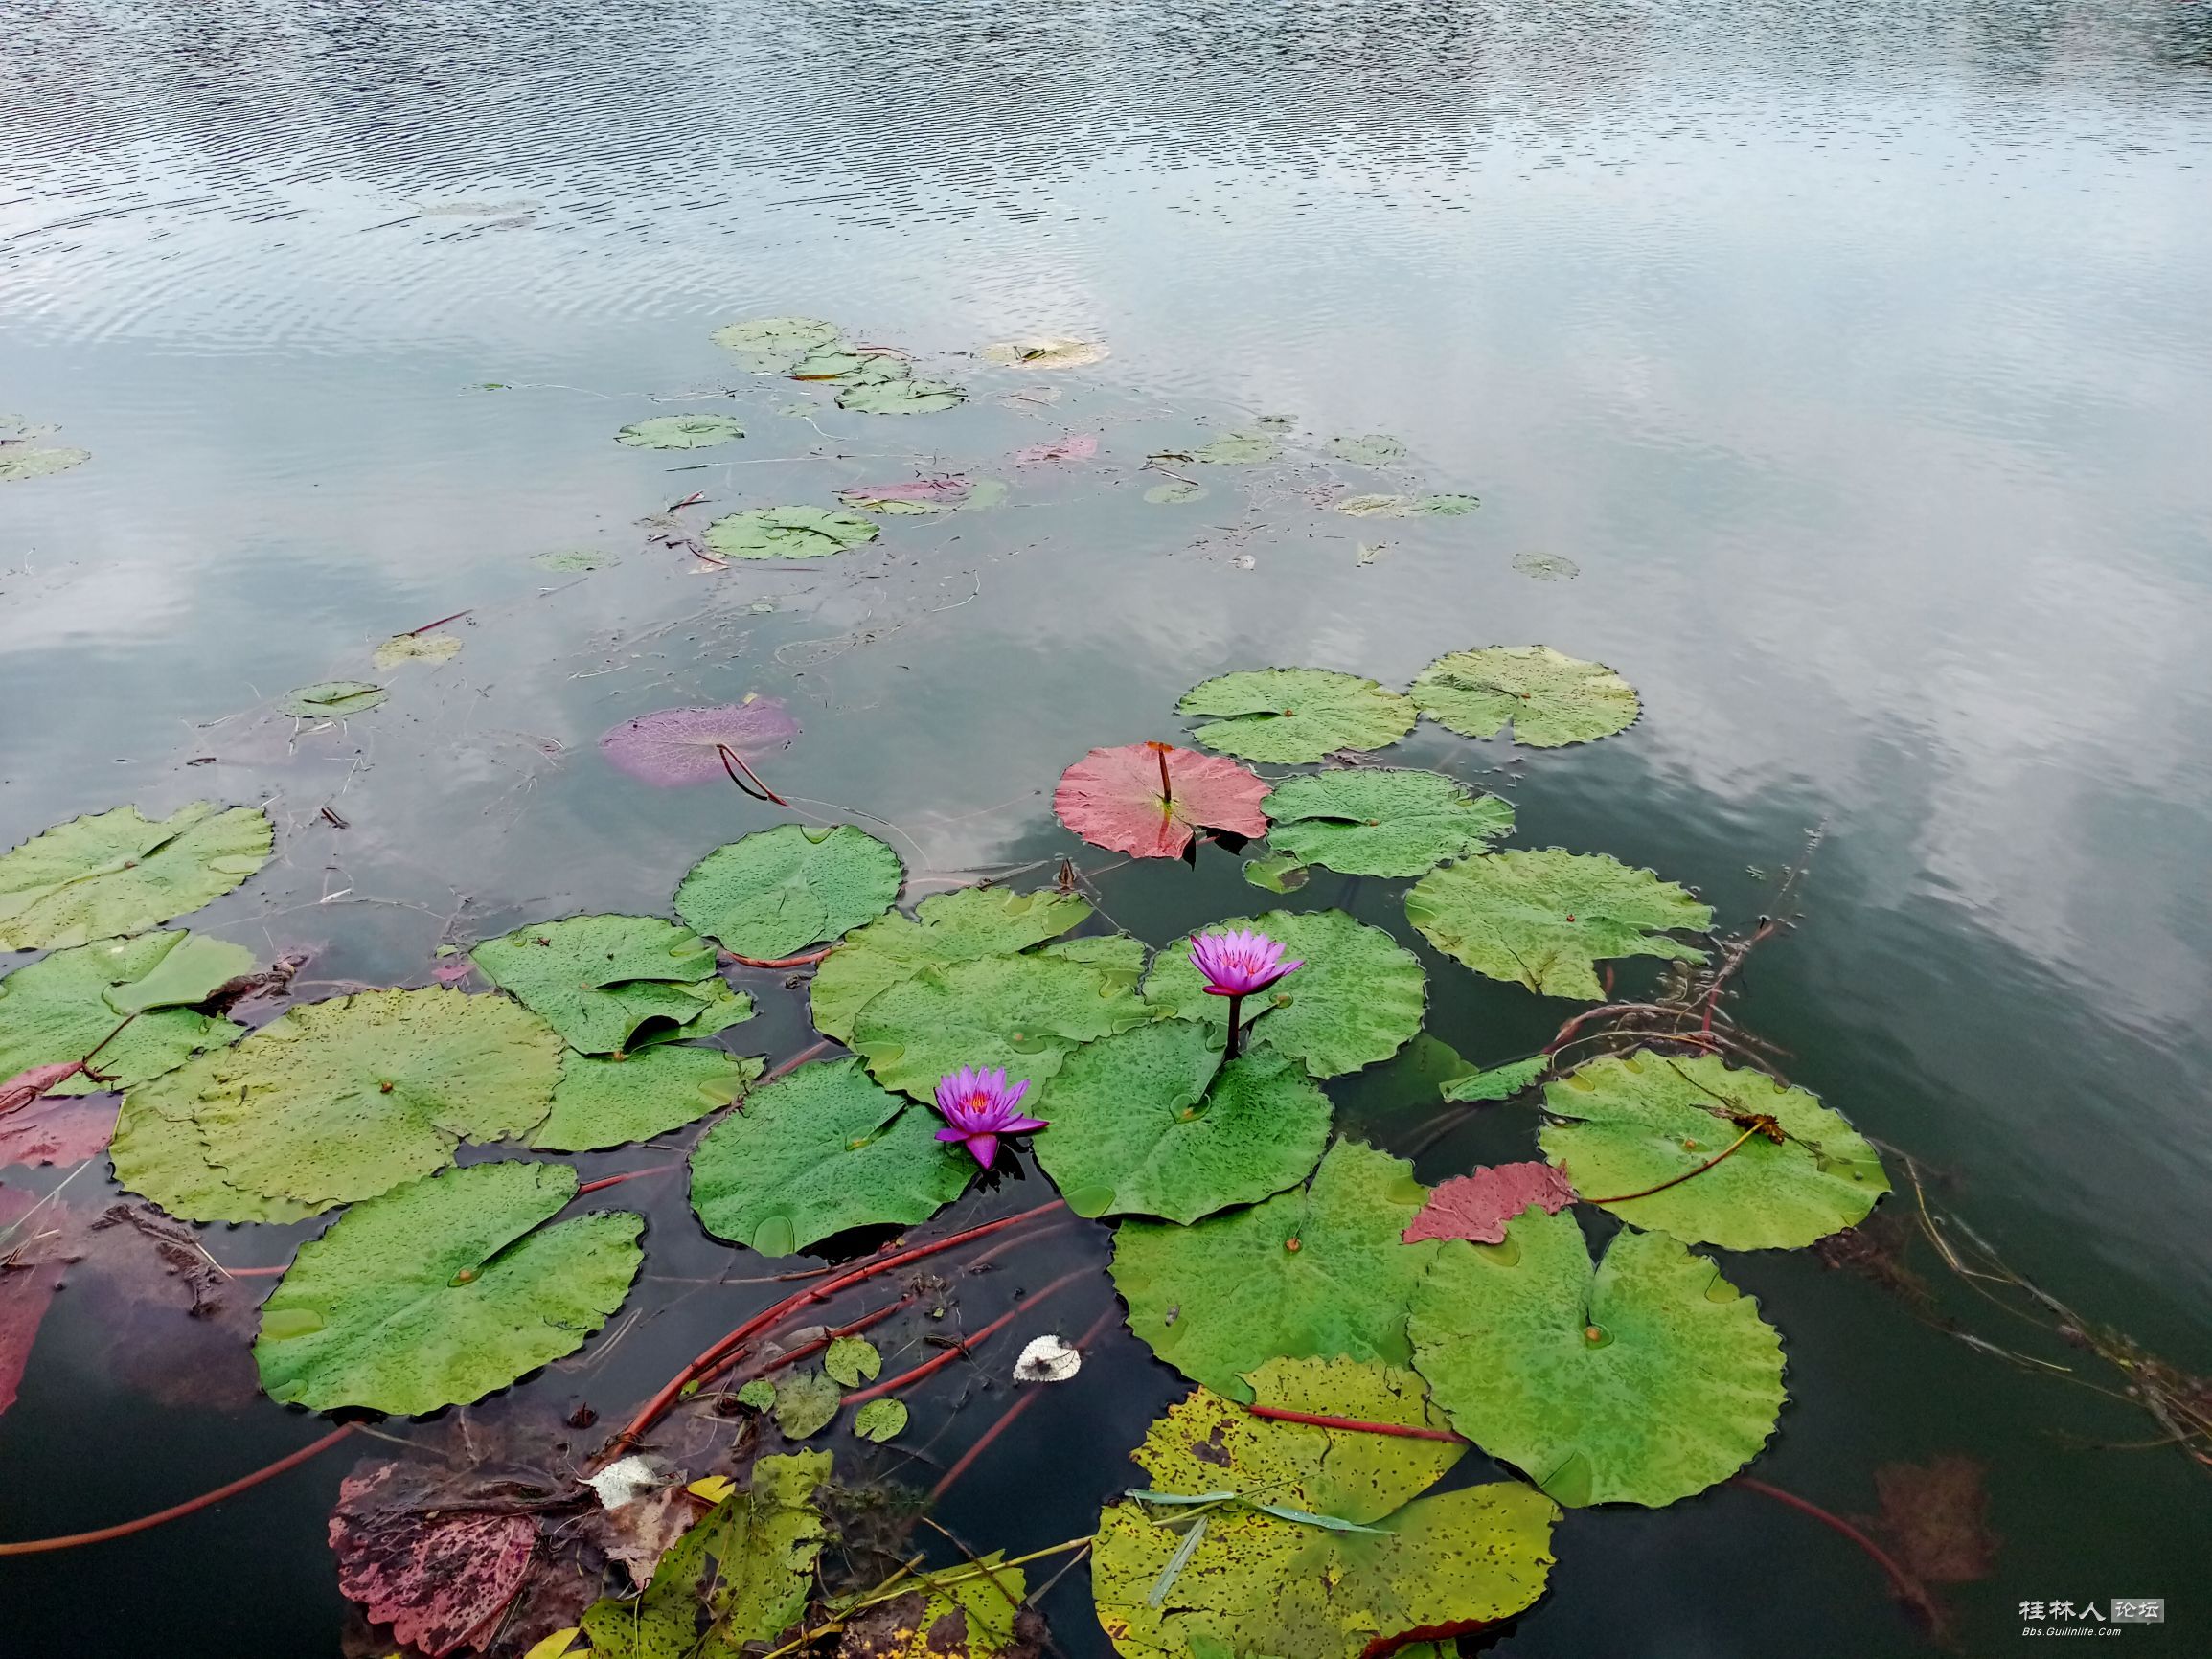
<point>1857,358</point>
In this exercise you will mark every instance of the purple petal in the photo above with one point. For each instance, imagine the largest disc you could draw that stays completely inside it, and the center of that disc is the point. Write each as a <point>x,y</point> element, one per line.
<point>1022,1126</point>
<point>985,1147</point>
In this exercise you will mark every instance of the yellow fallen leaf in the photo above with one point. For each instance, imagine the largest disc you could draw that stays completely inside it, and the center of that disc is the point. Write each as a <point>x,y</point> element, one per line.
<point>714,1489</point>
<point>561,1642</point>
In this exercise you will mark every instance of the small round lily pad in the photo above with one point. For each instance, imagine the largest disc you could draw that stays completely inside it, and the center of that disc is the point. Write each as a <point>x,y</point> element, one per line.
<point>681,432</point>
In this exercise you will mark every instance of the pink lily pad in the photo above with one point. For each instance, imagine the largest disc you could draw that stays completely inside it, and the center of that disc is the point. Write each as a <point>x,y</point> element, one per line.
<point>678,746</point>
<point>26,1292</point>
<point>949,490</point>
<point>1059,449</point>
<point>57,1131</point>
<point>1477,1207</point>
<point>1148,798</point>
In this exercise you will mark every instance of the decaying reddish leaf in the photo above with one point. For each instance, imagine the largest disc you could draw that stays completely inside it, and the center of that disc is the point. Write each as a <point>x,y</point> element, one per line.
<point>946,491</point>
<point>439,1566</point>
<point>1148,798</point>
<point>28,1280</point>
<point>24,1087</point>
<point>1935,1519</point>
<point>57,1131</point>
<point>1477,1207</point>
<point>1059,449</point>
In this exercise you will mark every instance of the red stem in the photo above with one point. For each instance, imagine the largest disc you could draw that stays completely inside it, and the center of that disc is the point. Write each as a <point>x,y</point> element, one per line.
<point>605,1181</point>
<point>1403,1430</point>
<point>1166,790</point>
<point>1006,1418</point>
<point>967,1344</point>
<point>713,1358</point>
<point>731,758</point>
<point>440,623</point>
<point>819,1343</point>
<point>1908,1588</point>
<point>177,1511</point>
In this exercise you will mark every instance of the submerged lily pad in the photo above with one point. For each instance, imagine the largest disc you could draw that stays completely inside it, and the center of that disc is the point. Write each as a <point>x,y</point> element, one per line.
<point>1545,920</point>
<point>678,746</point>
<point>773,345</point>
<point>774,893</point>
<point>1046,351</point>
<point>1641,1380</point>
<point>944,494</point>
<point>1626,1123</point>
<point>20,462</point>
<point>415,648</point>
<point>66,1005</point>
<point>1374,449</point>
<point>443,1290</point>
<point>1174,493</point>
<point>601,1102</point>
<point>816,1153</point>
<point>1358,1000</point>
<point>963,925</point>
<point>807,1404</point>
<point>576,558</point>
<point>1239,450</point>
<point>1023,1012</point>
<point>1317,1272</point>
<point>1496,1082</point>
<point>1148,800</point>
<point>342,1099</point>
<point>1546,566</point>
<point>331,699</point>
<point>597,979</point>
<point>1142,1123</point>
<point>1276,873</point>
<point>118,872</point>
<point>789,532</point>
<point>1320,1546</point>
<point>1294,715</point>
<point>1551,699</point>
<point>1382,821</point>
<point>681,432</point>
<point>904,397</point>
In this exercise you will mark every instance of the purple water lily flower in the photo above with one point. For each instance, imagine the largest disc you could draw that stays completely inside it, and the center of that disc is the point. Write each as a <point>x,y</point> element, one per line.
<point>979,1108</point>
<point>1238,964</point>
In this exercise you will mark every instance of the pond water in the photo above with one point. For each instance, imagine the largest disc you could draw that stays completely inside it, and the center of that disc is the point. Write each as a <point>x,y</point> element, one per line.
<point>1854,362</point>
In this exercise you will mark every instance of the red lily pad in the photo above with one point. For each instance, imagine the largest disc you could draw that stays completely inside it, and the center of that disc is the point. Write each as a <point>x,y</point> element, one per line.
<point>440,1578</point>
<point>678,746</point>
<point>26,1290</point>
<point>1148,798</point>
<point>57,1131</point>
<point>1059,449</point>
<point>947,492</point>
<point>1477,1207</point>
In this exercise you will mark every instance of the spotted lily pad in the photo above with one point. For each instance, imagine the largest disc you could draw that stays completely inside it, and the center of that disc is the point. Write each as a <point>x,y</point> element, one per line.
<point>1626,1123</point>
<point>602,1102</point>
<point>1545,920</point>
<point>1319,1272</point>
<point>1294,715</point>
<point>66,1005</point>
<point>681,432</point>
<point>331,699</point>
<point>852,1360</point>
<point>1323,1547</point>
<point>1148,800</point>
<point>1382,821</point>
<point>340,1101</point>
<point>963,925</point>
<point>443,1290</point>
<point>598,980</point>
<point>1023,1012</point>
<point>789,532</point>
<point>883,1420</point>
<point>1239,450</point>
<point>20,462</point>
<point>1150,1122</point>
<point>117,873</point>
<point>415,648</point>
<point>904,397</point>
<point>1641,1380</point>
<point>774,893</point>
<point>1358,1000</point>
<point>773,345</point>
<point>816,1153</point>
<point>1551,699</point>
<point>1374,449</point>
<point>677,747</point>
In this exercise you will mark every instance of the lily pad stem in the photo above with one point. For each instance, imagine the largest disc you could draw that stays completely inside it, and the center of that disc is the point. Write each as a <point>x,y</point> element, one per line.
<point>1908,1588</point>
<point>1403,1430</point>
<point>1623,1197</point>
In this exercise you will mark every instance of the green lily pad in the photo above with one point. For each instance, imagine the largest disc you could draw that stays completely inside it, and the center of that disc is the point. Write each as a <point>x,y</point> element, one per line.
<point>342,1099</point>
<point>774,893</point>
<point>1382,821</point>
<point>1239,450</point>
<point>853,1360</point>
<point>66,1005</point>
<point>680,432</point>
<point>789,532</point>
<point>963,925</point>
<point>443,1290</point>
<point>1122,956</point>
<point>816,1153</point>
<point>1327,1549</point>
<point>1551,699</point>
<point>1496,1082</point>
<point>901,397</point>
<point>1276,873</point>
<point>1546,566</point>
<point>1641,1380</point>
<point>331,699</point>
<point>880,1420</point>
<point>22,462</point>
<point>741,1574</point>
<point>158,1152</point>
<point>1546,919</point>
<point>596,979</point>
<point>1312,1273</point>
<point>1292,715</point>
<point>1627,1124</point>
<point>415,648</point>
<point>1023,1012</point>
<point>610,1102</point>
<point>1141,1123</point>
<point>805,1404</point>
<point>773,345</point>
<point>1374,449</point>
<point>760,1394</point>
<point>1358,1000</point>
<point>117,873</point>
<point>1174,493</point>
<point>576,558</point>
